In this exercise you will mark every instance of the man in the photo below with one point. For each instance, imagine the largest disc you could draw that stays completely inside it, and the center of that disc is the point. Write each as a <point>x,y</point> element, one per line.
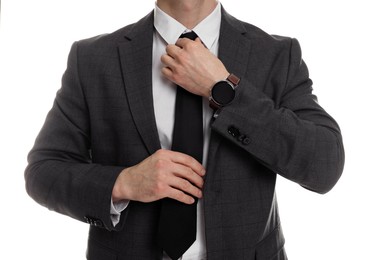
<point>106,155</point>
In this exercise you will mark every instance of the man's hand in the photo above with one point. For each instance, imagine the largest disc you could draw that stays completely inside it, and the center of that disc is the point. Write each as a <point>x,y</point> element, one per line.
<point>164,174</point>
<point>192,66</point>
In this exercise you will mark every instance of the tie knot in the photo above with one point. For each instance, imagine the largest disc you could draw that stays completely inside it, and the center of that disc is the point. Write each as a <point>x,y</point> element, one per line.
<point>190,35</point>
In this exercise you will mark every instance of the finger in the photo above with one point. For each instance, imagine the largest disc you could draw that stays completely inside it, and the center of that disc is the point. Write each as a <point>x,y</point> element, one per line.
<point>188,161</point>
<point>181,158</point>
<point>168,61</point>
<point>167,72</point>
<point>182,42</point>
<point>186,173</point>
<point>172,50</point>
<point>186,186</point>
<point>180,196</point>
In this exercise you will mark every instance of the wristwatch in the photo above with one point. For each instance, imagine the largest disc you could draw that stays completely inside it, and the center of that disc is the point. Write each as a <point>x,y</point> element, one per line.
<point>223,92</point>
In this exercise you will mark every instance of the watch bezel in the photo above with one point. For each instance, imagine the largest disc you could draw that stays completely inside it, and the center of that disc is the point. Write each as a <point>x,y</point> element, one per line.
<point>215,88</point>
<point>233,81</point>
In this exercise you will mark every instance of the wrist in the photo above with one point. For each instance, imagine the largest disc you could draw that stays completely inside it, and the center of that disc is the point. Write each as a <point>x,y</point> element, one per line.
<point>221,76</point>
<point>119,191</point>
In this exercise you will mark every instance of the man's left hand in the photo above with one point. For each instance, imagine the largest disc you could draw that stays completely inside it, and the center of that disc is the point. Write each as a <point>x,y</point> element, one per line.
<point>192,66</point>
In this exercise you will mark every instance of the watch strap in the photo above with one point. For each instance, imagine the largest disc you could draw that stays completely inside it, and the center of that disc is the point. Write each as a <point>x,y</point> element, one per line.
<point>233,79</point>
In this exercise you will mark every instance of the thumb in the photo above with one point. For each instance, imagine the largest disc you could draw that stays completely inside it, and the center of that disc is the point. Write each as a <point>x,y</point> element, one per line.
<point>198,40</point>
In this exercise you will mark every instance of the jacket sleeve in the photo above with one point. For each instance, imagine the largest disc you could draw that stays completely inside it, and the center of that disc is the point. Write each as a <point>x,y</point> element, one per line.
<point>294,137</point>
<point>60,174</point>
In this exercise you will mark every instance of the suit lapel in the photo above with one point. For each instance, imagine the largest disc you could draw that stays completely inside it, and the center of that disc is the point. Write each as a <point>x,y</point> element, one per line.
<point>234,49</point>
<point>136,63</point>
<point>135,51</point>
<point>234,46</point>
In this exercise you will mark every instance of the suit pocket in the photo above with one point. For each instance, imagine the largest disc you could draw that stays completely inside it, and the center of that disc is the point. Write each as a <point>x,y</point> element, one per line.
<point>272,246</point>
<point>96,251</point>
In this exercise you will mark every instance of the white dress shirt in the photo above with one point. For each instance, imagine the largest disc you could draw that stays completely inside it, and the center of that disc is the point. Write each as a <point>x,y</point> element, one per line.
<point>167,31</point>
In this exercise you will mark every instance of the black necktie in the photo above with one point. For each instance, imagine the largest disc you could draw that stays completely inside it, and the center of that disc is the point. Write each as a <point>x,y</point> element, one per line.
<point>177,224</point>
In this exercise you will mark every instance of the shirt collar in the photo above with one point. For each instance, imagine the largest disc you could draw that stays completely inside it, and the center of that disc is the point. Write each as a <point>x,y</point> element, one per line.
<point>170,29</point>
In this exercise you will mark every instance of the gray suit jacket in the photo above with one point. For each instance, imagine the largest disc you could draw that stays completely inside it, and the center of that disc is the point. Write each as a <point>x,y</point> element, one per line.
<point>103,121</point>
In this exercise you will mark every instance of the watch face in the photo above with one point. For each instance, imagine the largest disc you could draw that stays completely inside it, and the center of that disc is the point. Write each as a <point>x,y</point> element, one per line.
<point>223,93</point>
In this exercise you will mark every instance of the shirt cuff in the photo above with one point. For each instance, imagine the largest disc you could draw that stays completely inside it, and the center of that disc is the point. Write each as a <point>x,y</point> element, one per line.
<point>116,209</point>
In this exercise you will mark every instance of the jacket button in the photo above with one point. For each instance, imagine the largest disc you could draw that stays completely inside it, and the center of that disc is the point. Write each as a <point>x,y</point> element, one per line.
<point>233,131</point>
<point>98,223</point>
<point>245,141</point>
<point>93,221</point>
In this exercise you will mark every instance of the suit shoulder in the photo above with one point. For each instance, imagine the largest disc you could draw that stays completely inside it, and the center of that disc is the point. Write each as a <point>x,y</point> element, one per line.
<point>105,39</point>
<point>122,34</point>
<point>255,33</point>
<point>271,43</point>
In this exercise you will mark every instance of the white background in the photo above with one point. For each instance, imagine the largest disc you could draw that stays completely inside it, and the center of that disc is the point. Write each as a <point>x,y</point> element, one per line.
<point>335,38</point>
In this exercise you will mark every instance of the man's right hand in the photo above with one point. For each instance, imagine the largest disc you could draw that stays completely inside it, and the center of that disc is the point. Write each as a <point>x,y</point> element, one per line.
<point>165,174</point>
